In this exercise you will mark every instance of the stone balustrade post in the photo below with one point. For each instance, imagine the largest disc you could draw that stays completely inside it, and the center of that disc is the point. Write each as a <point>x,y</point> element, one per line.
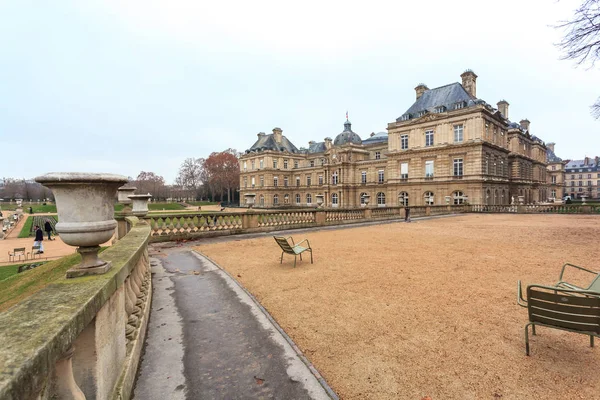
<point>66,387</point>
<point>368,213</point>
<point>320,217</point>
<point>428,210</point>
<point>402,212</point>
<point>249,220</point>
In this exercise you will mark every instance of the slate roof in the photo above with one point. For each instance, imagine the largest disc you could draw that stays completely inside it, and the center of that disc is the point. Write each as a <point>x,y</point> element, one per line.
<point>380,137</point>
<point>317,147</point>
<point>347,136</point>
<point>267,142</point>
<point>551,157</point>
<point>446,96</point>
<point>580,164</point>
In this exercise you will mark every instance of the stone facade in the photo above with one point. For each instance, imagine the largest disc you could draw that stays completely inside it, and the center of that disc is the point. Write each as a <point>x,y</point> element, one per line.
<point>447,148</point>
<point>582,178</point>
<point>555,174</point>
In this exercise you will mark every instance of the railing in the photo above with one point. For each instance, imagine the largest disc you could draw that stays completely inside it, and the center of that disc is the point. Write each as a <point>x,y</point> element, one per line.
<point>477,208</point>
<point>180,225</point>
<point>286,218</point>
<point>344,215</point>
<point>80,338</point>
<point>386,212</point>
<point>536,209</point>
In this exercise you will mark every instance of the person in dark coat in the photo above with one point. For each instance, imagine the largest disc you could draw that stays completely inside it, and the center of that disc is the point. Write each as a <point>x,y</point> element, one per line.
<point>48,228</point>
<point>39,237</point>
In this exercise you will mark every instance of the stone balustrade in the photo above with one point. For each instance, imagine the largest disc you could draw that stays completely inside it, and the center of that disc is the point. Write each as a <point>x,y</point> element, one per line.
<point>536,209</point>
<point>82,337</point>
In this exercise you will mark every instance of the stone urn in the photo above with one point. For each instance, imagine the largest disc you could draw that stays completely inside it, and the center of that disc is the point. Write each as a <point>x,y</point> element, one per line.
<point>320,200</point>
<point>521,200</point>
<point>85,205</point>
<point>250,199</point>
<point>583,199</point>
<point>140,204</point>
<point>366,199</point>
<point>447,198</point>
<point>123,194</point>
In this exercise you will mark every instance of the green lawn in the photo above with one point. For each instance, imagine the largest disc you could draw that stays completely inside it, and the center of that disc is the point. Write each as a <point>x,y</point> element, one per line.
<point>37,208</point>
<point>10,270</point>
<point>202,203</point>
<point>27,231</point>
<point>157,206</point>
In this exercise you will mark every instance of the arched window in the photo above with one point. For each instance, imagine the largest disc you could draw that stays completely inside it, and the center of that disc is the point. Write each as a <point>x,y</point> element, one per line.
<point>488,197</point>
<point>403,199</point>
<point>286,199</point>
<point>429,199</point>
<point>275,199</point>
<point>261,200</point>
<point>380,199</point>
<point>334,178</point>
<point>309,199</point>
<point>298,198</point>
<point>458,197</point>
<point>334,200</point>
<point>362,199</point>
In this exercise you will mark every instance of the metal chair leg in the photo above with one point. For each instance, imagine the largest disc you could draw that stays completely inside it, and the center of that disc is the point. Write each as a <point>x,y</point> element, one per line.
<point>300,256</point>
<point>281,261</point>
<point>311,259</point>
<point>294,261</point>
<point>527,339</point>
<point>591,341</point>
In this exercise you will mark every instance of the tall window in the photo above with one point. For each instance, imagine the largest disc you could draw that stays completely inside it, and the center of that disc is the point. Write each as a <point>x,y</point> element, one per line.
<point>381,199</point>
<point>262,181</point>
<point>285,181</point>
<point>377,155</point>
<point>334,200</point>
<point>428,138</point>
<point>309,199</point>
<point>253,182</point>
<point>458,167</point>
<point>244,166</point>
<point>381,176</point>
<point>428,198</point>
<point>245,181</point>
<point>320,179</point>
<point>275,164</point>
<point>295,163</point>
<point>553,194</point>
<point>298,198</point>
<point>363,177</point>
<point>404,142</point>
<point>458,197</point>
<point>312,163</point>
<point>429,169</point>
<point>297,181</point>
<point>275,181</point>
<point>553,179</point>
<point>322,162</point>
<point>261,163</point>
<point>253,163</point>
<point>404,170</point>
<point>554,168</point>
<point>308,180</point>
<point>458,133</point>
<point>362,199</point>
<point>261,200</point>
<point>403,199</point>
<point>275,199</point>
<point>334,178</point>
<point>285,163</point>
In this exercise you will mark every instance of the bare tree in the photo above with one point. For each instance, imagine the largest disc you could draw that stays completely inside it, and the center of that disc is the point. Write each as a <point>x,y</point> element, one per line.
<point>581,41</point>
<point>190,174</point>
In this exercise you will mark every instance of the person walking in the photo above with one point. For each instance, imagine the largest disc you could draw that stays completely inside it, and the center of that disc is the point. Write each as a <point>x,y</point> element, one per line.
<point>39,237</point>
<point>48,228</point>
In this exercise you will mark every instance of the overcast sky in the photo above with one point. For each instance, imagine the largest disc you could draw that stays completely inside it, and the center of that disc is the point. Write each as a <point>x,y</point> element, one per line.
<point>126,86</point>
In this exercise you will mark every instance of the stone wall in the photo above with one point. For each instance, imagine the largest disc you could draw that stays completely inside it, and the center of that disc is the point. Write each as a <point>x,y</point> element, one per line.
<point>81,338</point>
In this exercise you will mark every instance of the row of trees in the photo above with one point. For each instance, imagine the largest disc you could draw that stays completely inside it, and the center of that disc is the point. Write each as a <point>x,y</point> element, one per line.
<point>11,189</point>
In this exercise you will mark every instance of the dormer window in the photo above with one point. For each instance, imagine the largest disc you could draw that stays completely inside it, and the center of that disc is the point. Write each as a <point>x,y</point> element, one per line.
<point>405,117</point>
<point>440,109</point>
<point>459,105</point>
<point>421,113</point>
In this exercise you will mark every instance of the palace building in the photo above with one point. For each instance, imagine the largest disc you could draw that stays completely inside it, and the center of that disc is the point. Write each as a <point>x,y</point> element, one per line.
<point>448,147</point>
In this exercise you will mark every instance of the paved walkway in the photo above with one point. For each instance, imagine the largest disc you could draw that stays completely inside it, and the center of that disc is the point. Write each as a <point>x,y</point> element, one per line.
<point>208,339</point>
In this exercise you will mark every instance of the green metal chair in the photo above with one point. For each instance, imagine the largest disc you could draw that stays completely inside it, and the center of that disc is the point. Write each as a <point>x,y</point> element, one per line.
<point>293,249</point>
<point>565,309</point>
<point>594,285</point>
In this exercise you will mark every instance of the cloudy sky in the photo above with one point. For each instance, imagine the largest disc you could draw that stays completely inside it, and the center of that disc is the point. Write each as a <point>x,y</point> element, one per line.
<point>113,86</point>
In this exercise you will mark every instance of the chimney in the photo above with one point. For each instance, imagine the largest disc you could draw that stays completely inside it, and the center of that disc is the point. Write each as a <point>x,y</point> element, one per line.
<point>311,142</point>
<point>469,82</point>
<point>277,134</point>
<point>586,161</point>
<point>372,134</point>
<point>525,124</point>
<point>550,146</point>
<point>503,107</point>
<point>327,143</point>
<point>260,134</point>
<point>420,89</point>
<point>596,160</point>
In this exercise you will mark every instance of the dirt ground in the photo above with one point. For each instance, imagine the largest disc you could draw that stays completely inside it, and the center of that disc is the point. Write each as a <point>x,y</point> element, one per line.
<point>404,311</point>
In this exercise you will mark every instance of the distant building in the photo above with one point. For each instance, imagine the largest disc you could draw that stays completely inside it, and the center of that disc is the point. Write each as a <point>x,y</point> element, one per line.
<point>447,147</point>
<point>582,178</point>
<point>556,173</point>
